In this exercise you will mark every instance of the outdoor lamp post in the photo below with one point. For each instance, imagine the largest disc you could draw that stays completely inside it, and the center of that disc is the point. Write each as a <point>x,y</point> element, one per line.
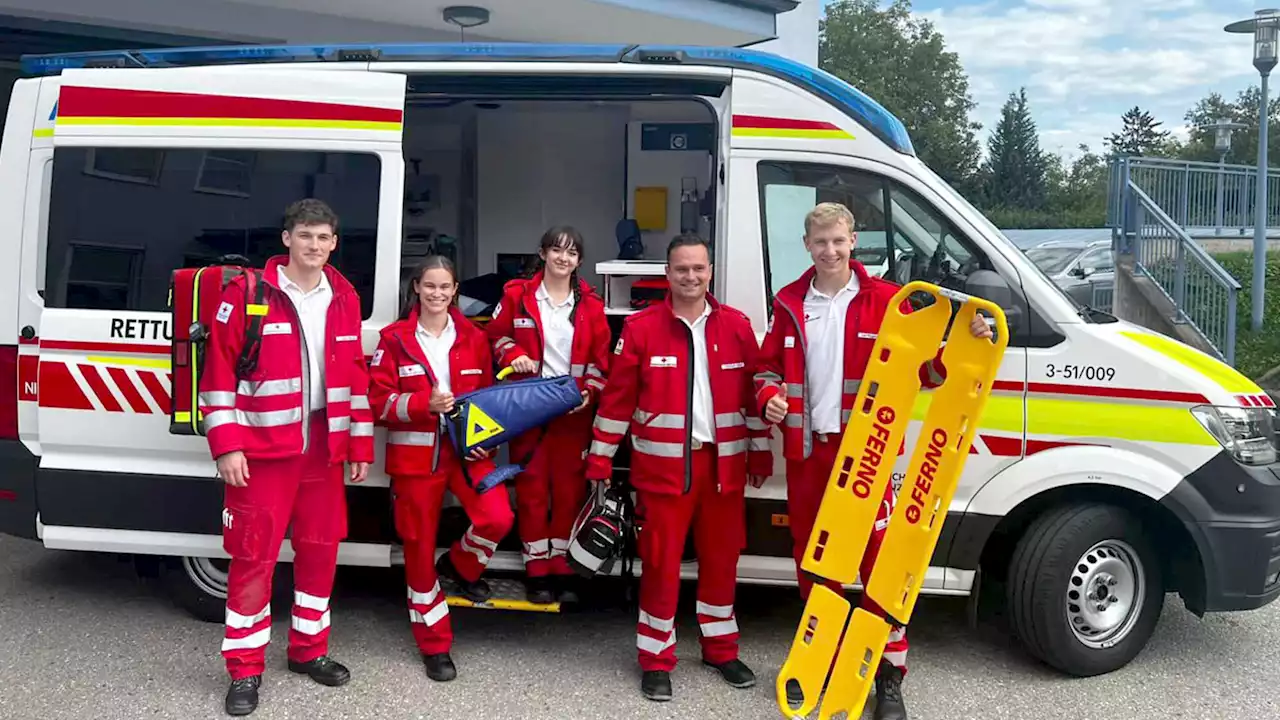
<point>1222,144</point>
<point>1263,25</point>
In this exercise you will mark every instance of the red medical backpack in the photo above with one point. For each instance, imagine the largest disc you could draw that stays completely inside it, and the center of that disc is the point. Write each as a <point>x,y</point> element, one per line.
<point>194,297</point>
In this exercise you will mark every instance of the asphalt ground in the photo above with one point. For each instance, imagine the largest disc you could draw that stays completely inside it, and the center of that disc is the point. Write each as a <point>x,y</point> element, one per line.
<point>81,637</point>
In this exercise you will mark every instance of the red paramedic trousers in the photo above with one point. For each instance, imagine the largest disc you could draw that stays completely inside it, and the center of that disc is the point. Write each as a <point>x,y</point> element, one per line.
<point>418,502</point>
<point>551,492</point>
<point>719,534</point>
<point>806,484</point>
<point>309,493</point>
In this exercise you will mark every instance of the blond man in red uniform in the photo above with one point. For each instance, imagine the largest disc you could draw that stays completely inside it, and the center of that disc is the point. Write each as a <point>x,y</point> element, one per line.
<point>812,361</point>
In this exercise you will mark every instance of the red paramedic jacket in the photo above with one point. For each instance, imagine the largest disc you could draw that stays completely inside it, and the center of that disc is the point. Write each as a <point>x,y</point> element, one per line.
<point>265,414</point>
<point>516,330</point>
<point>650,394</point>
<point>782,354</point>
<point>400,387</point>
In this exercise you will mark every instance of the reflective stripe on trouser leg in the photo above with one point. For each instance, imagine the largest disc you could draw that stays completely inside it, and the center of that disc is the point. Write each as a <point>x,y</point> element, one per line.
<point>428,611</point>
<point>245,641</point>
<point>491,520</point>
<point>895,651</point>
<point>313,568</point>
<point>666,524</point>
<point>719,532</point>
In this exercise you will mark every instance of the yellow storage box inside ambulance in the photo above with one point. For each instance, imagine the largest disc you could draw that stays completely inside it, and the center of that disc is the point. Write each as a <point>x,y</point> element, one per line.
<point>1111,465</point>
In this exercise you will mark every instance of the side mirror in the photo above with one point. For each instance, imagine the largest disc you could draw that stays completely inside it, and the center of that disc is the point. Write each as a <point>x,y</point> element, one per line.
<point>1087,271</point>
<point>990,285</point>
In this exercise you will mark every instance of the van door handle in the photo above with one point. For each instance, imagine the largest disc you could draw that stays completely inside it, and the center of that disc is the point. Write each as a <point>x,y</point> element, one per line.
<point>28,332</point>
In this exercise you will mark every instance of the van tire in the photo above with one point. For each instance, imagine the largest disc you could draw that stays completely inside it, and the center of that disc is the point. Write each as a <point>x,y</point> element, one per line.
<point>192,586</point>
<point>1092,552</point>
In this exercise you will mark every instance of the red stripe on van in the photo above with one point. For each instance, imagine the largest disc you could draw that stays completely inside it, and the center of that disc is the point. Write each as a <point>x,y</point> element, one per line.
<point>108,347</point>
<point>776,123</point>
<point>76,101</point>
<point>158,393</point>
<point>1041,388</point>
<point>59,389</point>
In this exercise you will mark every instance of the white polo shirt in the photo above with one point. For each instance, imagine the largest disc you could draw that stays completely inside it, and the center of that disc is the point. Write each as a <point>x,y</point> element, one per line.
<point>436,348</point>
<point>824,322</point>
<point>313,309</point>
<point>557,332</point>
<point>703,419</point>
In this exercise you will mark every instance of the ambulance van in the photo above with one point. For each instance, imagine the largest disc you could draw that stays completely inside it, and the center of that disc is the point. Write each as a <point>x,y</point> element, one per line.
<point>1112,466</point>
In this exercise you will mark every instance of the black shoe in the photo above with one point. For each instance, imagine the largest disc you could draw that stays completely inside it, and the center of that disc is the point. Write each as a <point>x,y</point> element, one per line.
<point>323,670</point>
<point>440,667</point>
<point>656,685</point>
<point>735,672</point>
<point>477,592</point>
<point>795,696</point>
<point>538,590</point>
<point>889,705</point>
<point>567,590</point>
<point>242,696</point>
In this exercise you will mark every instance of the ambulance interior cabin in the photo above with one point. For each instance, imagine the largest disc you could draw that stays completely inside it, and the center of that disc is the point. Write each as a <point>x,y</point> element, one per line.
<point>485,178</point>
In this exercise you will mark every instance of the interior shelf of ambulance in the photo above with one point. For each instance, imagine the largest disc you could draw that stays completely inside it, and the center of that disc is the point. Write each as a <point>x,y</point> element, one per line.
<point>485,179</point>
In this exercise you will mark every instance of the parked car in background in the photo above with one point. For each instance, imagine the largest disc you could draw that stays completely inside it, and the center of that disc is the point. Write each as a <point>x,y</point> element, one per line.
<point>1081,269</point>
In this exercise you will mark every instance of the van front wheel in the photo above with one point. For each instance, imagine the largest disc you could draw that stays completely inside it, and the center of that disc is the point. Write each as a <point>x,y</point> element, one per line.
<point>1085,589</point>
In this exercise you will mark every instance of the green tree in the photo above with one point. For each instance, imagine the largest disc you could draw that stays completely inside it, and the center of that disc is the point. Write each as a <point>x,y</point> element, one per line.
<point>1017,170</point>
<point>902,62</point>
<point>1140,134</point>
<point>1244,142</point>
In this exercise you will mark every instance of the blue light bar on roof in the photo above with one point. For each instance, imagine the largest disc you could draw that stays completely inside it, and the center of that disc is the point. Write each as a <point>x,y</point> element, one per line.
<point>384,52</point>
<point>847,98</point>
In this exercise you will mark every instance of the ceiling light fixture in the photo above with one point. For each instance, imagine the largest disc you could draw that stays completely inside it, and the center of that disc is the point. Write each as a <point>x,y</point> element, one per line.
<point>465,16</point>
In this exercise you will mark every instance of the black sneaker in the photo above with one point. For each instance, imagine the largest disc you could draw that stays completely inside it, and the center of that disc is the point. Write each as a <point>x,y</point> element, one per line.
<point>656,685</point>
<point>477,592</point>
<point>242,696</point>
<point>440,667</point>
<point>889,705</point>
<point>538,590</point>
<point>567,589</point>
<point>323,670</point>
<point>735,672</point>
<point>795,695</point>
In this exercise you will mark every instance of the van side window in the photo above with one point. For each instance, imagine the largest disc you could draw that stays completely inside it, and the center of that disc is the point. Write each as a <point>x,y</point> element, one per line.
<point>919,244</point>
<point>121,220</point>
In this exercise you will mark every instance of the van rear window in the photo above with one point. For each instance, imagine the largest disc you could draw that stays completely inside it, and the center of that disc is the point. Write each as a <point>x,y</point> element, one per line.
<point>121,220</point>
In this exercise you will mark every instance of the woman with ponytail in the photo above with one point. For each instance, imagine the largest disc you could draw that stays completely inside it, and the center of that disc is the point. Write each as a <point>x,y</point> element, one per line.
<point>550,325</point>
<point>425,359</point>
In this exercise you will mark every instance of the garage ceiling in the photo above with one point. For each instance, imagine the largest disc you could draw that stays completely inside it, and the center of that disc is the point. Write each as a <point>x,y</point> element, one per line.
<point>25,36</point>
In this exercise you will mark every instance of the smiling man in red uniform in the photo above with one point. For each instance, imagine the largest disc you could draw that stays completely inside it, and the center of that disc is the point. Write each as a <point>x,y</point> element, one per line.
<point>809,375</point>
<point>681,382</point>
<point>280,438</point>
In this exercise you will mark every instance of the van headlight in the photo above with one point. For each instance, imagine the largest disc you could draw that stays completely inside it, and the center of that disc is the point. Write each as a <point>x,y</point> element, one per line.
<point>1247,433</point>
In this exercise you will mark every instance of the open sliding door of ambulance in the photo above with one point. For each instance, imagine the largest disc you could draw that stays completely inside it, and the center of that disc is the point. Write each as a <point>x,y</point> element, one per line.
<point>157,169</point>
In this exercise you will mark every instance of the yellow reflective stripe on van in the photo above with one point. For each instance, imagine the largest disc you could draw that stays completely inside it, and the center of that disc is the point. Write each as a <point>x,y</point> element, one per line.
<point>1069,417</point>
<point>1223,374</point>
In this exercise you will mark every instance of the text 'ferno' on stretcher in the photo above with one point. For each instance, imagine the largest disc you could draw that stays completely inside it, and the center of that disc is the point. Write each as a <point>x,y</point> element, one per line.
<point>855,492</point>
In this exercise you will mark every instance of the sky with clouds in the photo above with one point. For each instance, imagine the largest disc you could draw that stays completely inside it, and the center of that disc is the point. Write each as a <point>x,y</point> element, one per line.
<point>1084,62</point>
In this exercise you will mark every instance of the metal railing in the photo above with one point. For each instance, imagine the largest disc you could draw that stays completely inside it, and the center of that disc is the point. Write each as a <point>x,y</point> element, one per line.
<point>1203,293</point>
<point>1215,198</point>
<point>1104,294</point>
